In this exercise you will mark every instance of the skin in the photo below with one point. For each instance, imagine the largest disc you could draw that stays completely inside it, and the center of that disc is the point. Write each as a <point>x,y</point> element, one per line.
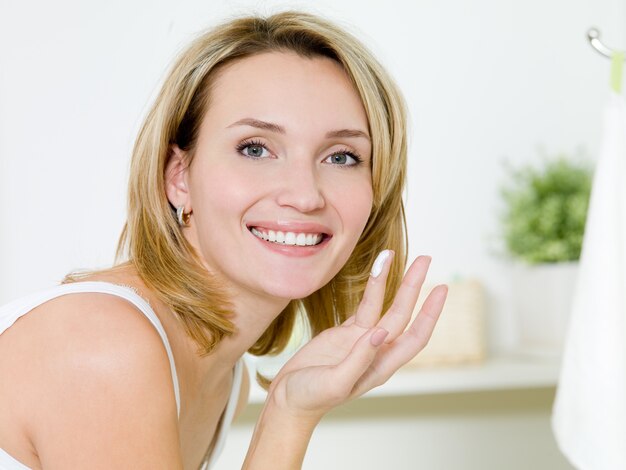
<point>90,376</point>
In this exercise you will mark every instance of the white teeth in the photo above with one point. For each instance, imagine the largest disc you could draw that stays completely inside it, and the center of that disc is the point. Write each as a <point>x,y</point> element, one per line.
<point>288,238</point>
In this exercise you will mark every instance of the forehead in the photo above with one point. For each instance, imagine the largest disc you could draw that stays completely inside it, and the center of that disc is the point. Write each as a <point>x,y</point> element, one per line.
<point>287,88</point>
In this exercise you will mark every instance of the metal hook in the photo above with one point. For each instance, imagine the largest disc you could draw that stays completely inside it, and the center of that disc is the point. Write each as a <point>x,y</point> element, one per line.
<point>593,35</point>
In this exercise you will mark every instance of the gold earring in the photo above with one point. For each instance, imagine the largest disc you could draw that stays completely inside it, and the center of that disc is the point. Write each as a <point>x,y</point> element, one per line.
<point>183,219</point>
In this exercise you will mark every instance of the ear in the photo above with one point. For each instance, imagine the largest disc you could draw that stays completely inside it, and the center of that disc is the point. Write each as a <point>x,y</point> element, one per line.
<point>176,187</point>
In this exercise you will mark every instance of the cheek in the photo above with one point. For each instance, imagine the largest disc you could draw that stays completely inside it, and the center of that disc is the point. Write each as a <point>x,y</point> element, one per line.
<point>354,203</point>
<point>219,197</point>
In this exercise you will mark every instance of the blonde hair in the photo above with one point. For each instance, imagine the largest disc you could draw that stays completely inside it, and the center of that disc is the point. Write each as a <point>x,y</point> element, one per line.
<point>152,240</point>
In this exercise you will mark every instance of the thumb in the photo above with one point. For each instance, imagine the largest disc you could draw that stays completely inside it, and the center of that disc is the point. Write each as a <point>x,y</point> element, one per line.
<point>360,357</point>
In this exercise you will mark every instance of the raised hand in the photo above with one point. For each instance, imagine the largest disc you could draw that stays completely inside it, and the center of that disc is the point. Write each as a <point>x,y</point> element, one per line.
<point>348,360</point>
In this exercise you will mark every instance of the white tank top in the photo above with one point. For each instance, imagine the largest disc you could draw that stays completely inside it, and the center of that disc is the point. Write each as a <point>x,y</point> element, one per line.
<point>10,312</point>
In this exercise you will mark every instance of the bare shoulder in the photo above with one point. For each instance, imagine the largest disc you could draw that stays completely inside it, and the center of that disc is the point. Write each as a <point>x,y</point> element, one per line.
<point>94,384</point>
<point>83,328</point>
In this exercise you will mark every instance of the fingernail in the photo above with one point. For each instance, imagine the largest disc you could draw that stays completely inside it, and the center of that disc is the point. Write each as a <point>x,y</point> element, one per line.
<point>377,267</point>
<point>378,337</point>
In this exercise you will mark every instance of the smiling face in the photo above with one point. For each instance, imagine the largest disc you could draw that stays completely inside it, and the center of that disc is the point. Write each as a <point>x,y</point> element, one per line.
<point>280,182</point>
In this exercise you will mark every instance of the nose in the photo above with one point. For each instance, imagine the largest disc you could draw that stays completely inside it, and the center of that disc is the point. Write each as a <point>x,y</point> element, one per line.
<point>300,188</point>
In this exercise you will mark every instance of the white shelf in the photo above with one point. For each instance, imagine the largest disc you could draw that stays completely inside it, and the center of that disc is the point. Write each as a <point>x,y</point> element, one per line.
<point>503,372</point>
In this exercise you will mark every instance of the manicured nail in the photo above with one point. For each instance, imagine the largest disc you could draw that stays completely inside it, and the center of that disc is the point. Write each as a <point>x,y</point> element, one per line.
<point>377,268</point>
<point>378,337</point>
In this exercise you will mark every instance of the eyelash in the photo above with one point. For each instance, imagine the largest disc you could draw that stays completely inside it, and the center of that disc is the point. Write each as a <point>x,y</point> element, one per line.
<point>248,143</point>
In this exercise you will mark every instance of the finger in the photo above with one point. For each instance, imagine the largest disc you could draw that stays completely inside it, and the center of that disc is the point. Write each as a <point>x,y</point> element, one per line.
<point>354,365</point>
<point>411,342</point>
<point>368,312</point>
<point>399,314</point>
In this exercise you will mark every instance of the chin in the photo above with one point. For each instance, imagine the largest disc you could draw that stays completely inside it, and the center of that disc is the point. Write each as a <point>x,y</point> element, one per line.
<point>291,290</point>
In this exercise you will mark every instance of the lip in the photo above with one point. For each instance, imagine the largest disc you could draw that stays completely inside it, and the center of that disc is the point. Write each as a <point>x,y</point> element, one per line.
<point>290,226</point>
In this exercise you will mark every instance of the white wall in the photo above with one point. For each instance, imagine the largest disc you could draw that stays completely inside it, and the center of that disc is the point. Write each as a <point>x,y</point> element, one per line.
<point>486,80</point>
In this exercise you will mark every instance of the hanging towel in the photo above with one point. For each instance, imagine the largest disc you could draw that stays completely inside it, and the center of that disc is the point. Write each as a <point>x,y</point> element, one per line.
<point>589,415</point>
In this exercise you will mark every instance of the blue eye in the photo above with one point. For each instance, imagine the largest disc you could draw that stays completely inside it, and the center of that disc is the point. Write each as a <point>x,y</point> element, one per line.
<point>253,149</point>
<point>344,158</point>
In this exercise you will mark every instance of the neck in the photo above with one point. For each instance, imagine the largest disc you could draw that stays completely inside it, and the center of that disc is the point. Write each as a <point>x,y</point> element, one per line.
<point>251,316</point>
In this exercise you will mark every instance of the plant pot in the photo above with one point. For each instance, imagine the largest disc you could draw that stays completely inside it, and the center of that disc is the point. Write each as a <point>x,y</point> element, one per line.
<point>542,296</point>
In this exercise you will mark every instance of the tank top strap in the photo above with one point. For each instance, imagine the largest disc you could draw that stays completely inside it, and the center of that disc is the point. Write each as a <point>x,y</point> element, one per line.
<point>12,311</point>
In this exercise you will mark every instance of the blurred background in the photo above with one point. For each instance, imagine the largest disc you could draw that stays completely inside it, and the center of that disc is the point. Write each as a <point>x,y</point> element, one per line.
<point>491,85</point>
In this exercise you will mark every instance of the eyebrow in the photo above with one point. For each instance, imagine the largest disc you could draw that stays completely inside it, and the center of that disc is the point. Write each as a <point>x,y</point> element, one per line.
<point>270,126</point>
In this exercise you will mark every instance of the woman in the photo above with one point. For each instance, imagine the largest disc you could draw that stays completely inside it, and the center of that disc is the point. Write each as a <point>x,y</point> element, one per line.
<point>265,181</point>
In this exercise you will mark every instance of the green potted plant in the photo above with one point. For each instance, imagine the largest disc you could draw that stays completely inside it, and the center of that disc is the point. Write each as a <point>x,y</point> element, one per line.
<point>543,227</point>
